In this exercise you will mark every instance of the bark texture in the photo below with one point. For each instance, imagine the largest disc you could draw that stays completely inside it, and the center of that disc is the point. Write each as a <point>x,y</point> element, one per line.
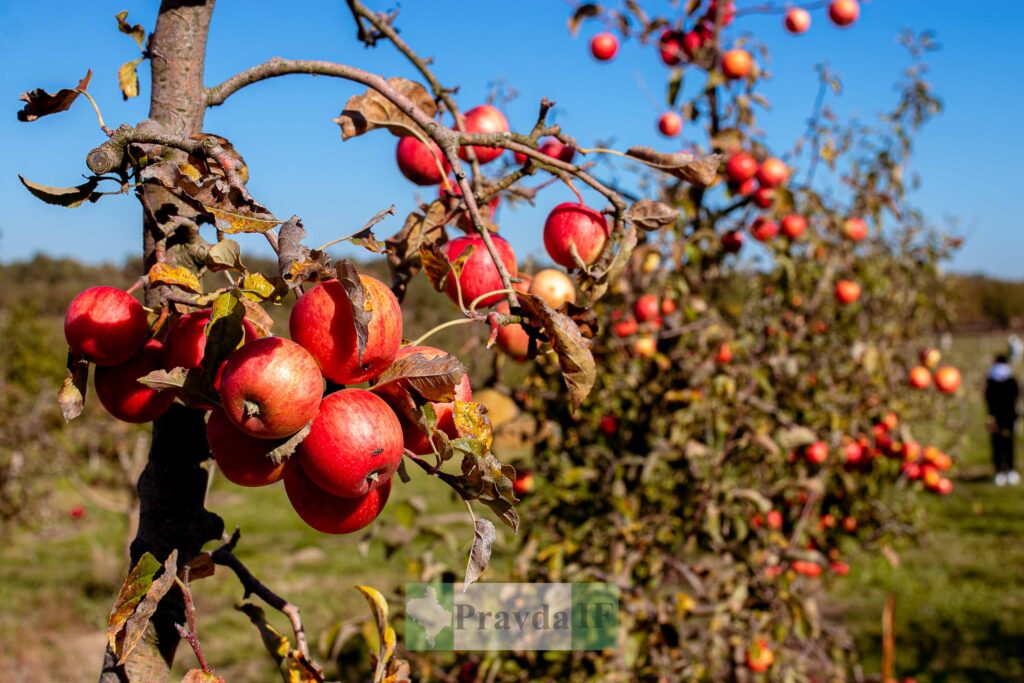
<point>172,488</point>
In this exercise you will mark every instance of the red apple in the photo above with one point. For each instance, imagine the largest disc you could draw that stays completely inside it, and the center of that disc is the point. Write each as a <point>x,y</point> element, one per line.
<point>764,229</point>
<point>670,47</point>
<point>930,358</point>
<point>847,291</point>
<point>484,119</point>
<point>625,328</point>
<point>574,224</point>
<point>646,308</point>
<point>185,344</point>
<point>793,226</point>
<point>243,459</point>
<point>271,388</point>
<point>322,323</point>
<point>728,12</point>
<point>123,396</point>
<point>553,286</point>
<point>853,453</point>
<point>512,339</point>
<point>487,210</point>
<point>840,568</point>
<point>944,487</point>
<point>421,162</point>
<point>523,483</point>
<point>741,167</point>
<point>645,346</point>
<point>843,12</point>
<point>774,519</point>
<point>807,568</point>
<point>737,64</point>
<point>817,452</point>
<point>330,514</point>
<point>693,41</point>
<point>855,229</point>
<point>732,241</point>
<point>106,325</point>
<point>354,444</point>
<point>609,425</point>
<point>479,274</point>
<point>668,306</point>
<point>919,377</point>
<point>556,149</point>
<point>764,197</point>
<point>759,656</point>
<point>724,355</point>
<point>604,46</point>
<point>947,379</point>
<point>669,124</point>
<point>772,173</point>
<point>416,439</point>
<point>798,20</point>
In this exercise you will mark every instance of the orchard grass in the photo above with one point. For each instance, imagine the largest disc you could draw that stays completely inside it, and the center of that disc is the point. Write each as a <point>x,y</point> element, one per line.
<point>959,589</point>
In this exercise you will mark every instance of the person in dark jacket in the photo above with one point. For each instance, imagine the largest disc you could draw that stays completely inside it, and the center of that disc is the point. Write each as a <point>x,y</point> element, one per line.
<point>1001,392</point>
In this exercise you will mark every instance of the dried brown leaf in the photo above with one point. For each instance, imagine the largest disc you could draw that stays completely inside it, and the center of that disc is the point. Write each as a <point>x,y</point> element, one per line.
<point>371,110</point>
<point>68,197</point>
<point>39,103</point>
<point>699,171</point>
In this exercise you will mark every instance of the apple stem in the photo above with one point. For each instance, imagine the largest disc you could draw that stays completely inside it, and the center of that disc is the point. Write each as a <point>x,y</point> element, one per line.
<point>252,409</point>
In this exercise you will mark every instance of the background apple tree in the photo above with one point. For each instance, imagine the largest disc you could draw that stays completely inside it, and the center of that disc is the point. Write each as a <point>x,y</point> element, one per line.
<point>713,432</point>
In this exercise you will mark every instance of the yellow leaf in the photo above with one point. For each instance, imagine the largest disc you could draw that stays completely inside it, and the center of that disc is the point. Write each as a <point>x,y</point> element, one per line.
<point>177,276</point>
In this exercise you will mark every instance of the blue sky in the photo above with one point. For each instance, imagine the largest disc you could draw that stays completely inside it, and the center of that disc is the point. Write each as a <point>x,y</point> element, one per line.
<point>969,159</point>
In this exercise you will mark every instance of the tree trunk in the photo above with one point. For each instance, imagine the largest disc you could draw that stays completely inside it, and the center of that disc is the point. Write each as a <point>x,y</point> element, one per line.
<point>172,488</point>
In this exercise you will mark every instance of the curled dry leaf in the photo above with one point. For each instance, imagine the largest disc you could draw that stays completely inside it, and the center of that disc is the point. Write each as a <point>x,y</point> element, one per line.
<point>225,255</point>
<point>433,379</point>
<point>371,110</point>
<point>287,448</point>
<point>72,391</point>
<point>137,33</point>
<point>176,276</point>
<point>136,602</point>
<point>435,263</point>
<point>387,639</point>
<point>68,197</point>
<point>648,214</point>
<point>128,78</point>
<point>584,11</point>
<point>40,103</point>
<point>362,307</point>
<point>480,553</point>
<point>571,347</point>
<point>421,228</point>
<point>699,171</point>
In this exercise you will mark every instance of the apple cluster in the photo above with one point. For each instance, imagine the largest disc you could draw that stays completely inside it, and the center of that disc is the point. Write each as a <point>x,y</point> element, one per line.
<point>279,409</point>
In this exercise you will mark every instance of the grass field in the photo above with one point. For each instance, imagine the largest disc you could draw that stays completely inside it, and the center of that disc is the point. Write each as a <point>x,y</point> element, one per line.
<point>959,590</point>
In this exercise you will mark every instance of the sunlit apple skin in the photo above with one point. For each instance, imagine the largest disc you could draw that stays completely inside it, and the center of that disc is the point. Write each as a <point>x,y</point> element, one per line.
<point>947,379</point>
<point>764,229</point>
<point>330,514</point>
<point>241,458</point>
<point>625,328</point>
<point>645,347</point>
<point>772,173</point>
<point>670,124</point>
<point>523,483</point>
<point>354,443</point>
<point>422,163</point>
<point>479,274</point>
<point>847,291</point>
<point>416,439</point>
<point>512,339</point>
<point>484,119</point>
<point>793,226</point>
<point>646,308</point>
<point>930,358</point>
<point>843,12</point>
<point>741,167</point>
<point>732,241</point>
<point>737,64</point>
<point>855,229</point>
<point>569,224</point>
<point>121,394</point>
<point>556,149</point>
<point>798,20</point>
<point>106,325</point>
<point>919,377</point>
<point>553,286</point>
<point>604,46</point>
<point>271,388</point>
<point>322,323</point>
